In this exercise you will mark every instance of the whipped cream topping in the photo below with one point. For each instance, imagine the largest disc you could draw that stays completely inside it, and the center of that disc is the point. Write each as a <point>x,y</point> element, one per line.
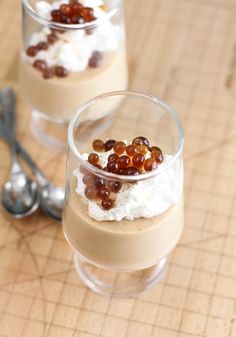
<point>74,47</point>
<point>144,199</point>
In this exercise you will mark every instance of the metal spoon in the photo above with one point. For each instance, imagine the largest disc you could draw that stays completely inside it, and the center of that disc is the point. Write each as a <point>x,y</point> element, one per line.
<point>20,196</point>
<point>52,197</point>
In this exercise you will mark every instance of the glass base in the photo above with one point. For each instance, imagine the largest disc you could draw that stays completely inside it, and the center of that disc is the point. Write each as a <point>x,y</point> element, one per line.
<point>118,283</point>
<point>50,131</point>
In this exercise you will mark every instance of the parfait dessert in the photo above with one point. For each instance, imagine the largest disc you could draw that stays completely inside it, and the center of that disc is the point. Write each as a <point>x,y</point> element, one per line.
<point>123,211</point>
<point>72,51</point>
<point>141,219</point>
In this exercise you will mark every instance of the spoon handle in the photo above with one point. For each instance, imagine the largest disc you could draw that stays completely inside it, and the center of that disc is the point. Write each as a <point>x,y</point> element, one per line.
<point>10,135</point>
<point>7,131</point>
<point>7,100</point>
<point>42,180</point>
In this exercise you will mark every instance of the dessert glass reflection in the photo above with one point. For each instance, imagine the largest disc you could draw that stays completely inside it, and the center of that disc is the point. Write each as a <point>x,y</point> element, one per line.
<point>72,51</point>
<point>124,191</point>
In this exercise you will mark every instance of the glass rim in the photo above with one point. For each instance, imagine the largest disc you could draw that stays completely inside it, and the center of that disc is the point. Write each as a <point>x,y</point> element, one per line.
<point>63,26</point>
<point>114,176</point>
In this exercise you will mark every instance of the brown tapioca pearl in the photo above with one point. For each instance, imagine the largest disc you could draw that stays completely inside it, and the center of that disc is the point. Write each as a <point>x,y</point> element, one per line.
<point>109,144</point>
<point>114,186</point>
<point>95,60</point>
<point>121,171</point>
<point>93,158</point>
<point>113,157</point>
<point>42,45</point>
<point>140,141</point>
<point>65,19</point>
<point>56,15</point>
<point>154,148</point>
<point>88,179</point>
<point>98,145</point>
<point>119,147</point>
<point>48,73</point>
<point>150,164</point>
<point>107,204</point>
<point>75,18</point>
<point>103,193</point>
<point>52,38</point>
<point>131,171</point>
<point>124,161</point>
<point>98,166</point>
<point>90,18</point>
<point>156,153</point>
<point>90,192</point>
<point>99,182</point>
<point>40,65</point>
<point>113,166</point>
<point>131,150</point>
<point>76,7</point>
<point>138,160</point>
<point>142,149</point>
<point>65,9</point>
<point>158,156</point>
<point>80,20</point>
<point>61,71</point>
<point>87,13</point>
<point>32,51</point>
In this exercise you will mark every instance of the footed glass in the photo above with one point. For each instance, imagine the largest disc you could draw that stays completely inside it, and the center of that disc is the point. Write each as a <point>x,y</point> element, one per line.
<point>70,53</point>
<point>121,246</point>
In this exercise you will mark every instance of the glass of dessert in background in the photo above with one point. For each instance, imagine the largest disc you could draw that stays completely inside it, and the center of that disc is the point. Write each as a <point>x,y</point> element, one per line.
<point>72,51</point>
<point>123,212</point>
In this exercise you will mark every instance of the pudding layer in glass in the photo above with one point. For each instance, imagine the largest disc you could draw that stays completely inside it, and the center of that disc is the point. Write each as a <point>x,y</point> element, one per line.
<point>124,244</point>
<point>59,97</point>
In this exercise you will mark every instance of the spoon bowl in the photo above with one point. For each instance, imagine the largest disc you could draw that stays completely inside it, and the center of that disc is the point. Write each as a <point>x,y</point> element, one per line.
<point>52,201</point>
<point>20,196</point>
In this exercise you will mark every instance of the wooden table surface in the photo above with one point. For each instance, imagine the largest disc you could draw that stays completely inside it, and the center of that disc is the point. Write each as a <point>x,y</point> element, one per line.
<point>184,52</point>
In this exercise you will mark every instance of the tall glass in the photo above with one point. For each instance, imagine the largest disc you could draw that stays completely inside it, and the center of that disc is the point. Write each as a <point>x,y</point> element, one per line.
<point>123,250</point>
<point>69,58</point>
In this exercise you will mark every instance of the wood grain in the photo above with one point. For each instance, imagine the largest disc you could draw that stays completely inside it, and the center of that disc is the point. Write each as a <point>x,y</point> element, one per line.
<point>184,52</point>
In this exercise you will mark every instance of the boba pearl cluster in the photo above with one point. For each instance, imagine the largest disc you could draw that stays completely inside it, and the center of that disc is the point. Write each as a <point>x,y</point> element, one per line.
<point>131,159</point>
<point>71,13</point>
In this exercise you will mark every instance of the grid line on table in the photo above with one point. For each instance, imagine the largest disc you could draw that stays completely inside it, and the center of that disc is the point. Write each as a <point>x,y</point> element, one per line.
<point>12,293</point>
<point>53,275</point>
<point>203,332</point>
<point>179,78</point>
<point>42,288</point>
<point>182,313</point>
<point>141,300</point>
<point>217,272</point>
<point>144,300</point>
<point>95,334</point>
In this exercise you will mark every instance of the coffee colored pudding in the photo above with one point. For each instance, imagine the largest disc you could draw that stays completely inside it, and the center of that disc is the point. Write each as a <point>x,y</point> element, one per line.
<point>122,244</point>
<point>125,224</point>
<point>63,68</point>
<point>60,97</point>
